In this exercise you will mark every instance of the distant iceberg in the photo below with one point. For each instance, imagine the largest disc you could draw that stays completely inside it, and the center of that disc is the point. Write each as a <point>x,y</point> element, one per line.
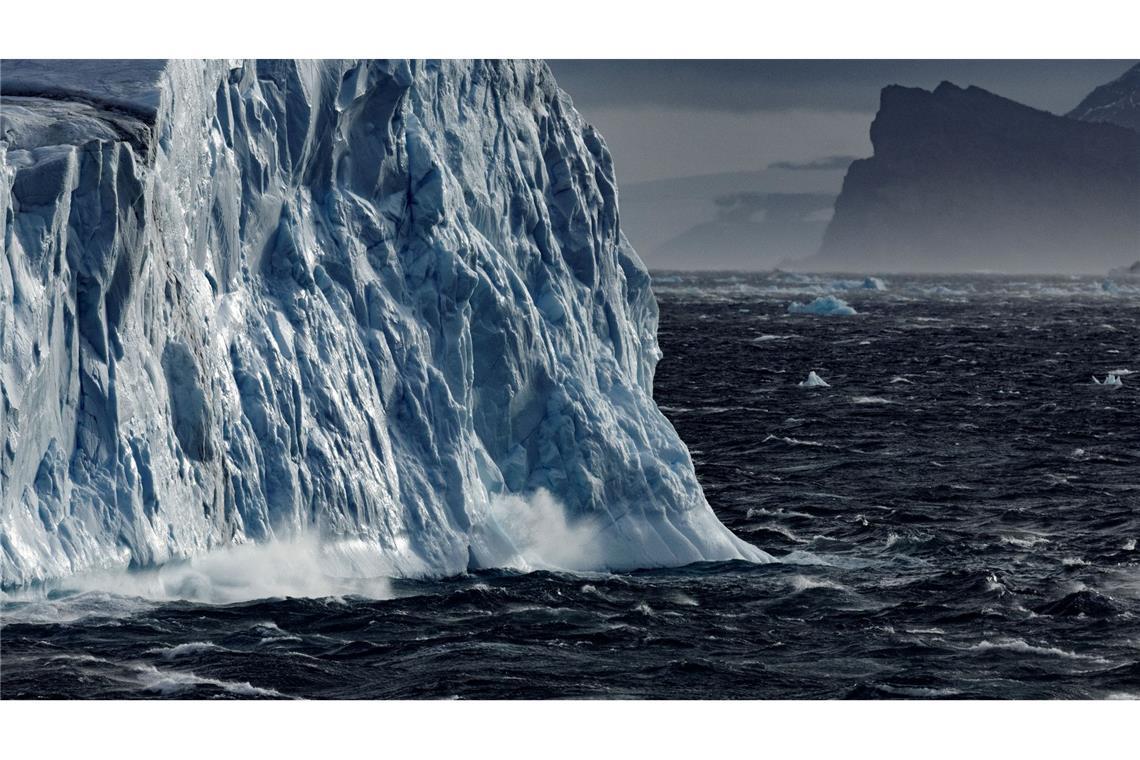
<point>824,306</point>
<point>1111,379</point>
<point>873,283</point>
<point>814,381</point>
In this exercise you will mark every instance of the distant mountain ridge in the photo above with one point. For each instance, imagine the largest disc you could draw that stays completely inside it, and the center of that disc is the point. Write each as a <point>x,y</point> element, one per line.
<point>963,179</point>
<point>1117,102</point>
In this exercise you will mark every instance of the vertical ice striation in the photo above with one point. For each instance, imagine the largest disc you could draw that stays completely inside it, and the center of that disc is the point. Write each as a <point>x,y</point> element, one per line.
<point>366,299</point>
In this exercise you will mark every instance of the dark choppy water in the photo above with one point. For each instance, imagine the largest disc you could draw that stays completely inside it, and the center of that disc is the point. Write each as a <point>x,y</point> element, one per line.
<point>959,509</point>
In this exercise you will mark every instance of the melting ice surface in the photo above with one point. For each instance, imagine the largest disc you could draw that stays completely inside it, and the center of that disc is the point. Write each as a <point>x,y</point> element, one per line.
<point>383,303</point>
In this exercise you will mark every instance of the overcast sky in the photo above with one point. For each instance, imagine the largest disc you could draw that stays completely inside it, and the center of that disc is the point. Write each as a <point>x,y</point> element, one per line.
<point>666,119</point>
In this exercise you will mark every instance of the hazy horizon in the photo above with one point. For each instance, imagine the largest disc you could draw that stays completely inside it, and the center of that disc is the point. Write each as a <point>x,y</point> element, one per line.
<point>693,140</point>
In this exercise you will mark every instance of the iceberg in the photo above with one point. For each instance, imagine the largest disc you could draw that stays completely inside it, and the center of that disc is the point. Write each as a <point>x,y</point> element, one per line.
<point>814,381</point>
<point>826,306</point>
<point>873,283</point>
<point>1112,378</point>
<point>372,301</point>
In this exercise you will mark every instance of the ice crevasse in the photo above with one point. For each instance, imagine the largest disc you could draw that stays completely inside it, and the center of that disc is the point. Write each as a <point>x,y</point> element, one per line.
<point>245,300</point>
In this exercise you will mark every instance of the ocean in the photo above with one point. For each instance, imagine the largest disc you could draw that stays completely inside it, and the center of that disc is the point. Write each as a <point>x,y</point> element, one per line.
<point>956,514</point>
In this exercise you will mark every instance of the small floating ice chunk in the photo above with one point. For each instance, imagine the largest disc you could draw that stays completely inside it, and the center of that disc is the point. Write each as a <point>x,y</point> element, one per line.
<point>814,381</point>
<point>824,306</point>
<point>901,379</point>
<point>1112,378</point>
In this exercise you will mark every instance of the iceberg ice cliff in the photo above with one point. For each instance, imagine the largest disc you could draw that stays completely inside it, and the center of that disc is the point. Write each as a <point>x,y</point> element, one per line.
<point>371,300</point>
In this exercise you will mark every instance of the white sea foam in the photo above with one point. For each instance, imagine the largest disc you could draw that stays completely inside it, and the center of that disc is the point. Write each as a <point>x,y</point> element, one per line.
<point>870,400</point>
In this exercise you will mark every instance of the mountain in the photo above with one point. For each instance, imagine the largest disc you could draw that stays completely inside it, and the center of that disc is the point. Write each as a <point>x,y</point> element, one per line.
<point>386,303</point>
<point>1117,102</point>
<point>962,179</point>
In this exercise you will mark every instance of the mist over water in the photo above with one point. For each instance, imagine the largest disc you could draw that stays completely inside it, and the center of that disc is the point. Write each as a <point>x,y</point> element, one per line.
<point>957,515</point>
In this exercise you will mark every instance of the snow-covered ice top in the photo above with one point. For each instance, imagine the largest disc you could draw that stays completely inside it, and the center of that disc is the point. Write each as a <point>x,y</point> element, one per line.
<point>388,303</point>
<point>134,86</point>
<point>824,306</point>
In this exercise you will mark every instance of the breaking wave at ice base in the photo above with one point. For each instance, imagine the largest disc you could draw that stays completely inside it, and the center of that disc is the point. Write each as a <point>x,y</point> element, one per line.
<point>304,566</point>
<point>523,533</point>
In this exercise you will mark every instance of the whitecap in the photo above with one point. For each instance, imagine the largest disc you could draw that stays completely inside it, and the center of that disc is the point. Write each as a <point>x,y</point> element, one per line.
<point>809,583</point>
<point>172,682</point>
<point>1024,647</point>
<point>1023,542</point>
<point>791,441</point>
<point>186,650</point>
